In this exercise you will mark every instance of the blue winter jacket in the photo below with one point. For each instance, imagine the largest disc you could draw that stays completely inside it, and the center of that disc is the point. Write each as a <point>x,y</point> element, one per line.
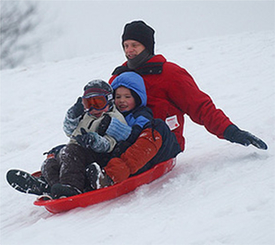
<point>141,117</point>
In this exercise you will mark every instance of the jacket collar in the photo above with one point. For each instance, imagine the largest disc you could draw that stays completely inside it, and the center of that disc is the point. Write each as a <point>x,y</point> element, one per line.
<point>152,66</point>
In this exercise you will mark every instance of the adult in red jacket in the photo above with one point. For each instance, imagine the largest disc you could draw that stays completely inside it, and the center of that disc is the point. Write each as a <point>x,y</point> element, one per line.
<point>171,90</point>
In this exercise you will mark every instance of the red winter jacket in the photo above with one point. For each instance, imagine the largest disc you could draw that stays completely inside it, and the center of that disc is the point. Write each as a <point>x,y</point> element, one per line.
<point>172,92</point>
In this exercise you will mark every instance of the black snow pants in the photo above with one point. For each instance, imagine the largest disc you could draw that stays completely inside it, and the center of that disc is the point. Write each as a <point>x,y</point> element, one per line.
<point>69,166</point>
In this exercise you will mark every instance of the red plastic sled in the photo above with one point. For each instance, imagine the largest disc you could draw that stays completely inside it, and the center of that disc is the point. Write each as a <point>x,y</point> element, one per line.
<point>101,195</point>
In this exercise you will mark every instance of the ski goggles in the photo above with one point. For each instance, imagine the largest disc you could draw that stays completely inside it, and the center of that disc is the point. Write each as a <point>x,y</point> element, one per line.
<point>94,101</point>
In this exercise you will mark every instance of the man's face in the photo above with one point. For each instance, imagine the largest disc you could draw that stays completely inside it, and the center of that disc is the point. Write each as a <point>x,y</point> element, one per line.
<point>132,48</point>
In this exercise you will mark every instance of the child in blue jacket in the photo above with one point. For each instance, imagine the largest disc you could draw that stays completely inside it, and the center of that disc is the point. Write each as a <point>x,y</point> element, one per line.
<point>154,142</point>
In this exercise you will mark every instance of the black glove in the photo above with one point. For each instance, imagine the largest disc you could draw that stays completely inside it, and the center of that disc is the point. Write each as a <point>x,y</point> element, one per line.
<point>93,141</point>
<point>104,124</point>
<point>235,135</point>
<point>76,110</point>
<point>85,139</point>
<point>55,151</point>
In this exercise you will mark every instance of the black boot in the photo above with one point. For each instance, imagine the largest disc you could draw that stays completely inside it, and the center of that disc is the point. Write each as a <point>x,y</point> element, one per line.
<point>61,191</point>
<point>25,182</point>
<point>97,177</point>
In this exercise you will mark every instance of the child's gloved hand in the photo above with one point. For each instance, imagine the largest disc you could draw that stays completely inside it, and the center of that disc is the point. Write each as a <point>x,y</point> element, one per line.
<point>54,151</point>
<point>115,128</point>
<point>104,124</point>
<point>85,139</point>
<point>76,110</point>
<point>93,141</point>
<point>72,117</point>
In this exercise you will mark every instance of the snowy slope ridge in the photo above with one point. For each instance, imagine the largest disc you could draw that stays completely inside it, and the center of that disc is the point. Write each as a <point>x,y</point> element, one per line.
<point>218,193</point>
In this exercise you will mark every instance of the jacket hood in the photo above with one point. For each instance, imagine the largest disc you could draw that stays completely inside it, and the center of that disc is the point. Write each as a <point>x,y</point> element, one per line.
<point>133,81</point>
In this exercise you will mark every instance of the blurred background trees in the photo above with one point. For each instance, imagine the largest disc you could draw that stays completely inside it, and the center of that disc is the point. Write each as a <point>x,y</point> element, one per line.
<point>18,20</point>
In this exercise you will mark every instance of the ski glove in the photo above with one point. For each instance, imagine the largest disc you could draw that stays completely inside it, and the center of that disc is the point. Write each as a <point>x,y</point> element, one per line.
<point>233,134</point>
<point>76,110</point>
<point>93,141</point>
<point>54,151</point>
<point>118,130</point>
<point>104,124</point>
<point>115,128</point>
<point>72,117</point>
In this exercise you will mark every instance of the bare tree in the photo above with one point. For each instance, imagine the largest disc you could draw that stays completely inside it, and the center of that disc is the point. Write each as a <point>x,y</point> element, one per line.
<point>18,20</point>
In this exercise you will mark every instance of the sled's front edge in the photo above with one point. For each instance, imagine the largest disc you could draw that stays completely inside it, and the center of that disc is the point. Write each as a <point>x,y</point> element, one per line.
<point>105,194</point>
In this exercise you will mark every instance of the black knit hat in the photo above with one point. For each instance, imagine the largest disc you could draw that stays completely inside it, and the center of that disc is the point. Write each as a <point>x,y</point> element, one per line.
<point>141,32</point>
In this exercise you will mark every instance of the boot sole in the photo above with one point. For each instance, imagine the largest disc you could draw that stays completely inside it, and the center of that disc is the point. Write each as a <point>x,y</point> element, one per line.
<point>26,183</point>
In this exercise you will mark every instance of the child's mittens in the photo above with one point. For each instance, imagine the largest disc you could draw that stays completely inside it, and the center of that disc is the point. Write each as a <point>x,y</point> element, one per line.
<point>118,130</point>
<point>76,110</point>
<point>93,141</point>
<point>72,117</point>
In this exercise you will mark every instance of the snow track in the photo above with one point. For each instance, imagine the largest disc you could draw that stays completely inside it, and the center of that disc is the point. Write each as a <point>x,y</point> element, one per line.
<point>218,193</point>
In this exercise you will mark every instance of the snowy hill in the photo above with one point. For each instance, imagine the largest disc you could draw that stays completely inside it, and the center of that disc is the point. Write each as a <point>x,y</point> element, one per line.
<point>218,193</point>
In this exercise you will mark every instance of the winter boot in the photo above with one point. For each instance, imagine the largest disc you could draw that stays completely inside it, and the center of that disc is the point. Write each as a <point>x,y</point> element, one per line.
<point>97,177</point>
<point>62,191</point>
<point>135,157</point>
<point>25,182</point>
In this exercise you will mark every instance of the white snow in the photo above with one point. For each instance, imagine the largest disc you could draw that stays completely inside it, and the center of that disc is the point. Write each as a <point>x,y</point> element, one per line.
<point>218,193</point>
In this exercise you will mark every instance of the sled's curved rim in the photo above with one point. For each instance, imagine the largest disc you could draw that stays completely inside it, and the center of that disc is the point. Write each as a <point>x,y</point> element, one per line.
<point>108,193</point>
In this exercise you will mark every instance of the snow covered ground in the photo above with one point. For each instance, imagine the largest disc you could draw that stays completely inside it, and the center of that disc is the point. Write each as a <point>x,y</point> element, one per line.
<point>218,193</point>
